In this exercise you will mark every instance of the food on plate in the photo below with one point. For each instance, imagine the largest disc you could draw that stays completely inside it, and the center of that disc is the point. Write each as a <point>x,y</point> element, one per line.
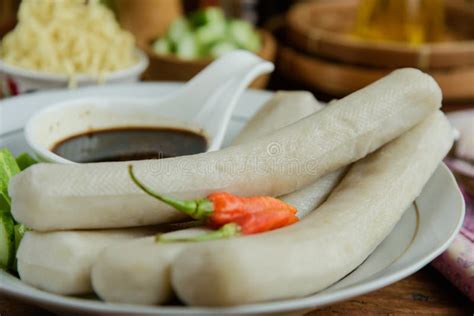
<point>66,259</point>
<point>284,108</point>
<point>231,215</point>
<point>69,37</point>
<point>207,33</point>
<point>60,262</point>
<point>305,200</point>
<point>54,196</point>
<point>113,273</point>
<point>330,242</point>
<point>115,277</point>
<point>7,241</point>
<point>11,232</point>
<point>134,143</point>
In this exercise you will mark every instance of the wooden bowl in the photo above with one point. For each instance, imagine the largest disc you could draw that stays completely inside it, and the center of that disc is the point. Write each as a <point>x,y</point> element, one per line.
<point>147,19</point>
<point>324,29</point>
<point>171,68</point>
<point>340,79</point>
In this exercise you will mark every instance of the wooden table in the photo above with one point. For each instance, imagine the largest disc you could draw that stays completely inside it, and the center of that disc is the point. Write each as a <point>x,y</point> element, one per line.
<point>424,293</point>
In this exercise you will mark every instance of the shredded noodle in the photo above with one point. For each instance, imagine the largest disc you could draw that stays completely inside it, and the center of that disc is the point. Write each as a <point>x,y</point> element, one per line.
<point>68,37</point>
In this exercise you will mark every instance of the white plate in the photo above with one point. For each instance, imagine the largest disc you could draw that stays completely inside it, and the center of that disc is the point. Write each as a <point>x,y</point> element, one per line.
<point>426,229</point>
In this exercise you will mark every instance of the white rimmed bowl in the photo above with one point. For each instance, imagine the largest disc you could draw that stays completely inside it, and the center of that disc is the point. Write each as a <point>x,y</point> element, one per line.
<point>15,80</point>
<point>78,116</point>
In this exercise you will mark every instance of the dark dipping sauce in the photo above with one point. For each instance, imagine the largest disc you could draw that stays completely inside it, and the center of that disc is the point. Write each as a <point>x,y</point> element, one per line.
<point>133,143</point>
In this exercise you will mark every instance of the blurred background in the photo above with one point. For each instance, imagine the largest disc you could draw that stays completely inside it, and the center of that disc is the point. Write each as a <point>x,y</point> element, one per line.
<point>329,47</point>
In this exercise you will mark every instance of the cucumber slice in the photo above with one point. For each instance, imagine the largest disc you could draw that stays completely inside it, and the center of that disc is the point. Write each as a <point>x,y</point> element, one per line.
<point>255,43</point>
<point>178,30</point>
<point>19,230</point>
<point>7,240</point>
<point>162,46</point>
<point>8,168</point>
<point>5,203</point>
<point>210,33</point>
<point>221,48</point>
<point>207,16</point>
<point>242,33</point>
<point>25,160</point>
<point>187,47</point>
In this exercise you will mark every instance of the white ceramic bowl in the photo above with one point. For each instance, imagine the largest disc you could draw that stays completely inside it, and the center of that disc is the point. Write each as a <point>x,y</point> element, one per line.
<point>16,80</point>
<point>204,105</point>
<point>81,115</point>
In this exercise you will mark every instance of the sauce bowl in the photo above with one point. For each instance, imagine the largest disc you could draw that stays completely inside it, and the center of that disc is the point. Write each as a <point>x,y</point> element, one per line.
<point>70,118</point>
<point>204,106</point>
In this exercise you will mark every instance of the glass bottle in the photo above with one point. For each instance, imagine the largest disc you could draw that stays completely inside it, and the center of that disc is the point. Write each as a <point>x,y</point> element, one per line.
<point>410,21</point>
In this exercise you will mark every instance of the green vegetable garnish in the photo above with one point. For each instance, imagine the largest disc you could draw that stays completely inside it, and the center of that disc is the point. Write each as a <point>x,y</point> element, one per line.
<point>178,29</point>
<point>8,168</point>
<point>162,46</point>
<point>11,232</point>
<point>7,240</point>
<point>24,161</point>
<point>221,48</point>
<point>211,15</point>
<point>207,33</point>
<point>241,33</point>
<point>19,232</point>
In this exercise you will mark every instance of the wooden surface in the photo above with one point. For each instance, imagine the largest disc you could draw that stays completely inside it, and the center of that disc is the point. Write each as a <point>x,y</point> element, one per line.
<point>341,79</point>
<point>324,29</point>
<point>424,293</point>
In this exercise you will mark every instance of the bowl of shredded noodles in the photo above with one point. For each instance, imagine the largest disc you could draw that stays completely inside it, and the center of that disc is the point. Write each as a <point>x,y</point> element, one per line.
<point>67,43</point>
